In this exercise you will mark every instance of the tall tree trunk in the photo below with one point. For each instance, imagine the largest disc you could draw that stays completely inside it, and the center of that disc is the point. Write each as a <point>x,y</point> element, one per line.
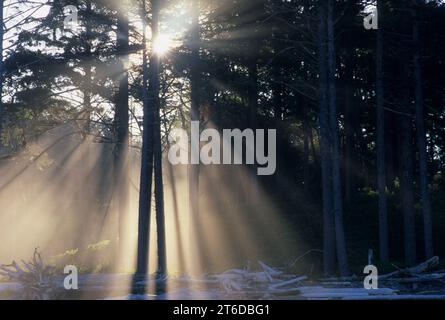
<point>121,122</point>
<point>146,177</point>
<point>326,172</point>
<point>157,143</point>
<point>392,145</point>
<point>421,140</point>
<point>349,163</point>
<point>381,170</point>
<point>336,170</point>
<point>176,219</point>
<point>312,144</point>
<point>406,180</point>
<point>194,116</point>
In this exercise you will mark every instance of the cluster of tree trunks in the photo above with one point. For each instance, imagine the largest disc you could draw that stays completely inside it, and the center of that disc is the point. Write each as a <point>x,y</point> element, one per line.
<point>151,161</point>
<point>329,145</point>
<point>405,118</point>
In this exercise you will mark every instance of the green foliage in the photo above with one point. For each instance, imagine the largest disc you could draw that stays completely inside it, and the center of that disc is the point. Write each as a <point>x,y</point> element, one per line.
<point>94,258</point>
<point>99,246</point>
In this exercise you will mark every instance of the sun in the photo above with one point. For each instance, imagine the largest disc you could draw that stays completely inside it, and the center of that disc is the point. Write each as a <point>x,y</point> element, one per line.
<point>162,44</point>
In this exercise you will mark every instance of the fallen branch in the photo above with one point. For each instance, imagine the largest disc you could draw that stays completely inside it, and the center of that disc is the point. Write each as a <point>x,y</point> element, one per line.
<point>426,266</point>
<point>35,278</point>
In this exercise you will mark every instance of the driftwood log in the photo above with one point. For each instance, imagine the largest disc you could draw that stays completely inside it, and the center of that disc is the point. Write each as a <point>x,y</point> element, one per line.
<point>424,267</point>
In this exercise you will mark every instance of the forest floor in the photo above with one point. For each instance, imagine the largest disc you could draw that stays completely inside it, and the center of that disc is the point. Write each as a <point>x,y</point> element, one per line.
<point>266,283</point>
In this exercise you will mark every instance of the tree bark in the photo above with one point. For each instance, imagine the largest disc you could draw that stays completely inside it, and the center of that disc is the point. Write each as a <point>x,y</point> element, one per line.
<point>326,172</point>
<point>336,170</point>
<point>121,121</point>
<point>193,171</point>
<point>157,143</point>
<point>146,177</point>
<point>421,140</point>
<point>406,180</point>
<point>381,169</point>
<point>350,112</point>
